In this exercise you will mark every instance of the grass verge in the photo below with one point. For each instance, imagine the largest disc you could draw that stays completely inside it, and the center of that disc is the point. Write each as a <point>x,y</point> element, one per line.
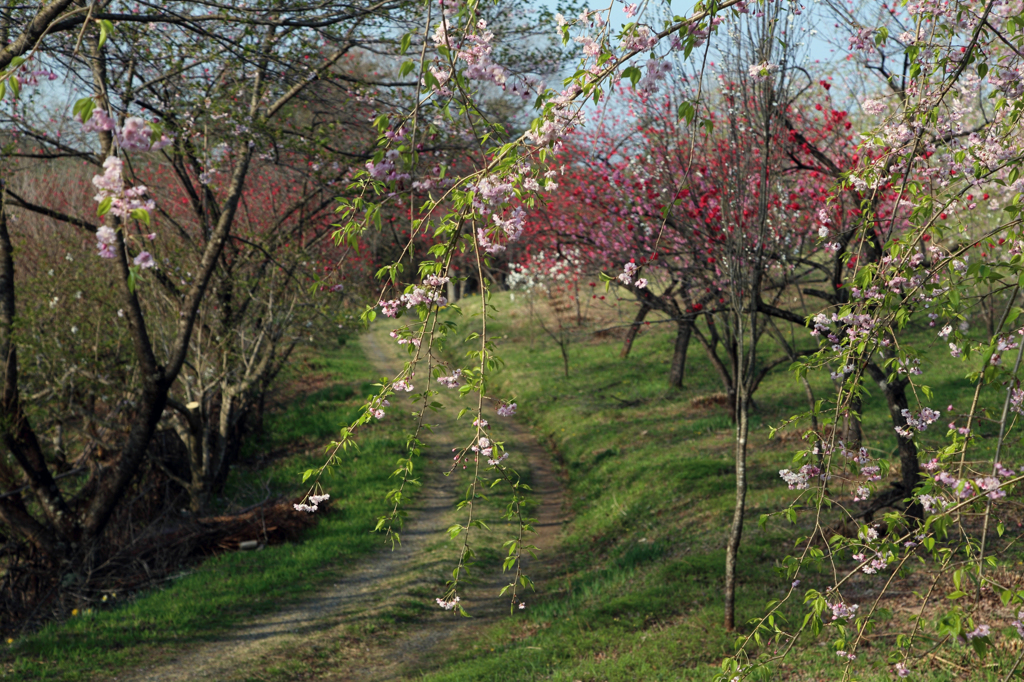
<point>650,477</point>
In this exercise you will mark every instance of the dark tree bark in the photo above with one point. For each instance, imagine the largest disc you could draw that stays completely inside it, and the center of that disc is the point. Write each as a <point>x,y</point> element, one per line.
<point>16,432</point>
<point>35,30</point>
<point>678,367</point>
<point>634,329</point>
<point>724,373</point>
<point>896,398</point>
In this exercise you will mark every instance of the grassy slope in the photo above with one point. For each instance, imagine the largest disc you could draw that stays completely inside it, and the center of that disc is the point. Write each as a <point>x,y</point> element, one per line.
<point>651,489</point>
<point>222,591</point>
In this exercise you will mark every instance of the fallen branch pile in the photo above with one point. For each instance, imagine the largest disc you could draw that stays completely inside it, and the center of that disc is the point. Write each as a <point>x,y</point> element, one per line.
<point>32,591</point>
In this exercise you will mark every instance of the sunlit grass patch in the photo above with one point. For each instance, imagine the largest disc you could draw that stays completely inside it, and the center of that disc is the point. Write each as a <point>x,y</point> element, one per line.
<point>650,476</point>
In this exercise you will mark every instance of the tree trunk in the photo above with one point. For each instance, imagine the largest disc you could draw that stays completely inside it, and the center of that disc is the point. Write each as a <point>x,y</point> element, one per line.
<point>634,329</point>
<point>678,368</point>
<point>736,529</point>
<point>17,435</point>
<point>723,372</point>
<point>896,398</point>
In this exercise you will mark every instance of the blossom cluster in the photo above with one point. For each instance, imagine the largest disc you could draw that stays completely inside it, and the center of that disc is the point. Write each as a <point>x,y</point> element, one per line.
<point>405,338</point>
<point>545,269</point>
<point>428,295</point>
<point>106,241</point>
<point>386,170</point>
<point>628,274</point>
<point>483,446</point>
<point>377,406</point>
<point>111,186</point>
<point>990,486</point>
<point>980,631</point>
<point>881,560</point>
<point>475,49</point>
<point>854,327</point>
<point>511,227</point>
<point>798,480</point>
<point>926,418</point>
<point>134,136</point>
<point>499,460</point>
<point>841,610</point>
<point>762,71</point>
<point>314,503</point>
<point>453,380</point>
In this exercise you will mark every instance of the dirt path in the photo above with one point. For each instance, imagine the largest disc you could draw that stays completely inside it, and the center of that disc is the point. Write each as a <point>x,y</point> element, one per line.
<point>384,580</point>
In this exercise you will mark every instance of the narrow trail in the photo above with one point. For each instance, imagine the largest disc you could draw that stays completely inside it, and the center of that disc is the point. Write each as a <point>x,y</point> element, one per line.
<point>422,561</point>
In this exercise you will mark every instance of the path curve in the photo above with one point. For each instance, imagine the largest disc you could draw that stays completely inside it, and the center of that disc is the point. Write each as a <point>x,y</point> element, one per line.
<point>368,587</point>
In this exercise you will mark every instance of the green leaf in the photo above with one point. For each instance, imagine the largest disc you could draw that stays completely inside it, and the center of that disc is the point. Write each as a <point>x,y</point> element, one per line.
<point>686,111</point>
<point>104,207</point>
<point>106,28</point>
<point>83,108</point>
<point>133,278</point>
<point>141,214</point>
<point>632,73</point>
<point>406,42</point>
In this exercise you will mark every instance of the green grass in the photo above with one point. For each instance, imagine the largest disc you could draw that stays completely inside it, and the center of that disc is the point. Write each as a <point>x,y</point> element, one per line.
<point>650,485</point>
<point>651,488</point>
<point>316,416</point>
<point>209,598</point>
